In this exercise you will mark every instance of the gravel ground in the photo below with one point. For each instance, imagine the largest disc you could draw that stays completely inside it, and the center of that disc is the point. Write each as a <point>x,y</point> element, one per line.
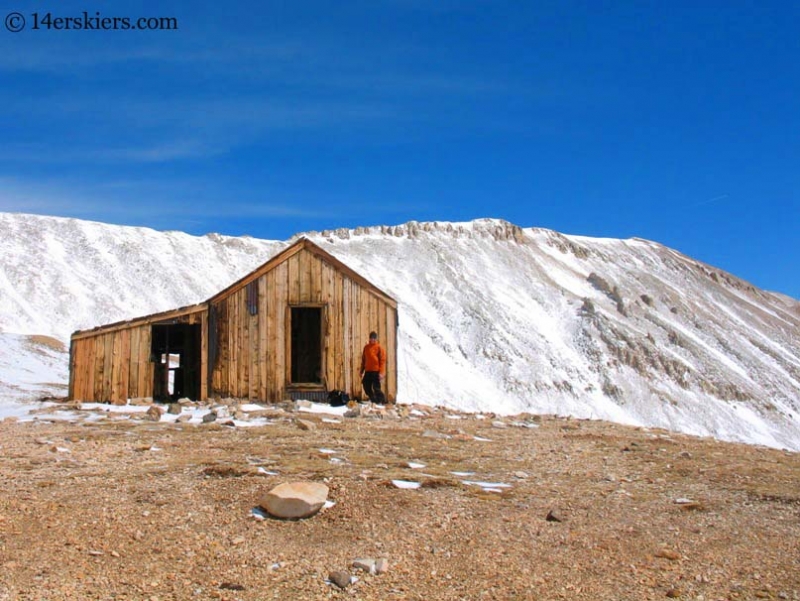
<point>122,508</point>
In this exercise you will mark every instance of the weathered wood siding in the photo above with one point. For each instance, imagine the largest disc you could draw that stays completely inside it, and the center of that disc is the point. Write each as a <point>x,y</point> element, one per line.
<point>113,364</point>
<point>254,351</point>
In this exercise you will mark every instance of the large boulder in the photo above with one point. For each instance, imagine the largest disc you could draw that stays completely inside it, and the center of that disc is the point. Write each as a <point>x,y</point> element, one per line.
<point>293,500</point>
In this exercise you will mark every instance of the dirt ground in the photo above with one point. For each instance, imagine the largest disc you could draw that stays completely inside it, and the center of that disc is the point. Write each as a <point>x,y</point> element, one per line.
<point>122,508</point>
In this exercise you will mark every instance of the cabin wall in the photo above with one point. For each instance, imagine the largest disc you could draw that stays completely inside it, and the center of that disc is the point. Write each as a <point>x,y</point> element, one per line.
<point>254,355</point>
<point>113,366</point>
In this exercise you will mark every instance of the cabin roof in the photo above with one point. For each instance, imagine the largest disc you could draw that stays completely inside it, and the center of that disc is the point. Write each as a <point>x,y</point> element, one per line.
<point>303,243</point>
<point>162,316</point>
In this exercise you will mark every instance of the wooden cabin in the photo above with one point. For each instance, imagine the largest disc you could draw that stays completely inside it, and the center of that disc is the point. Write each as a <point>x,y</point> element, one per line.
<point>293,328</point>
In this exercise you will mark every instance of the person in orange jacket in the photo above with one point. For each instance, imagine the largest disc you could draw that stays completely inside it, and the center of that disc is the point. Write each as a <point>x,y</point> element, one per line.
<point>373,369</point>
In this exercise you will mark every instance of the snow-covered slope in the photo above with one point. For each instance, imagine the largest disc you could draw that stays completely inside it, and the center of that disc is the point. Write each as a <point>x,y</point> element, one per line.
<point>493,317</point>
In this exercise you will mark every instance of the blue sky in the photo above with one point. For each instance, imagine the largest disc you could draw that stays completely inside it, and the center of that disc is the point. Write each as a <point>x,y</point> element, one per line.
<point>673,121</point>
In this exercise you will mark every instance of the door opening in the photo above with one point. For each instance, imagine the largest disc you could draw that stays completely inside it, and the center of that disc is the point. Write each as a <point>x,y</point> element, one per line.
<point>306,343</point>
<point>175,351</point>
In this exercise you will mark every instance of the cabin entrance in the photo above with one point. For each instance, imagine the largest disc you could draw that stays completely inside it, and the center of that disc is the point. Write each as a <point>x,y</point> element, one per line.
<point>175,353</point>
<point>306,345</point>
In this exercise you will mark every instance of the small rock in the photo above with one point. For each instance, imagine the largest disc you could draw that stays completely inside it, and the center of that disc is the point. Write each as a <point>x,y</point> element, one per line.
<point>521,475</point>
<point>354,412</point>
<point>294,500</point>
<point>554,516</point>
<point>673,593</point>
<point>367,565</point>
<point>184,418</point>
<point>435,434</point>
<point>305,424</point>
<point>209,417</point>
<point>222,411</point>
<point>175,409</point>
<point>668,554</point>
<point>239,540</point>
<point>499,424</point>
<point>381,565</point>
<point>340,578</point>
<point>153,413</point>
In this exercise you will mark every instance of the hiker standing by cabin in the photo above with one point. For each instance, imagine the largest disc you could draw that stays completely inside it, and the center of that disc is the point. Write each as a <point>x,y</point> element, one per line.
<point>373,369</point>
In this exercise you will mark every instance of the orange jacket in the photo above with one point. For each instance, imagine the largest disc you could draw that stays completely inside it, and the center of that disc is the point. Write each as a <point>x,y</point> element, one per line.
<point>373,358</point>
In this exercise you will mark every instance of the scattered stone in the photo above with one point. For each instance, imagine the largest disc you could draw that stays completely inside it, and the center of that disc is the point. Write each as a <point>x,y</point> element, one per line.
<point>366,565</point>
<point>689,505</point>
<point>673,593</point>
<point>340,578</point>
<point>222,411</point>
<point>305,424</point>
<point>353,412</point>
<point>153,413</point>
<point>209,417</point>
<point>239,540</point>
<point>175,409</point>
<point>668,554</point>
<point>554,516</point>
<point>231,586</point>
<point>521,475</point>
<point>499,424</point>
<point>303,404</point>
<point>435,434</point>
<point>295,500</point>
<point>381,565</point>
<point>184,418</point>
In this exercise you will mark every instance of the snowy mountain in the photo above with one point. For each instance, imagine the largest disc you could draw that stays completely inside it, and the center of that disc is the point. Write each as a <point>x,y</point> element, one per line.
<point>493,317</point>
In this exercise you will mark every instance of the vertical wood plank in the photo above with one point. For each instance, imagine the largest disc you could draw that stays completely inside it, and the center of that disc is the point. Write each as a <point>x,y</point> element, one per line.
<point>280,310</point>
<point>262,337</point>
<point>108,366</point>
<point>146,367</point>
<point>204,355</point>
<point>133,363</point>
<point>123,365</point>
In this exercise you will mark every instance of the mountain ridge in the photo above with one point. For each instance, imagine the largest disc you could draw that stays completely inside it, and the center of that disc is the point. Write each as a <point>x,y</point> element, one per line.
<point>493,316</point>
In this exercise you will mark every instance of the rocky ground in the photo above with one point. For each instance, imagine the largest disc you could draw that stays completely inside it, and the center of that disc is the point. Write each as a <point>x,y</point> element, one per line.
<point>121,508</point>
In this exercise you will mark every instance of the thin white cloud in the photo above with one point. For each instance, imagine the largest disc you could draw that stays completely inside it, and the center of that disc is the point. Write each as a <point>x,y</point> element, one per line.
<point>158,205</point>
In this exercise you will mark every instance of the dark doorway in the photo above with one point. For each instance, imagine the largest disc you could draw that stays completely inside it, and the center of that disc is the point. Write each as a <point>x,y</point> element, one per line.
<point>306,345</point>
<point>175,351</point>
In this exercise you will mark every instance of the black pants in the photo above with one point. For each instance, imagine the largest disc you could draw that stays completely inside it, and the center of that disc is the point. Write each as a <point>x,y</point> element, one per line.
<point>372,386</point>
